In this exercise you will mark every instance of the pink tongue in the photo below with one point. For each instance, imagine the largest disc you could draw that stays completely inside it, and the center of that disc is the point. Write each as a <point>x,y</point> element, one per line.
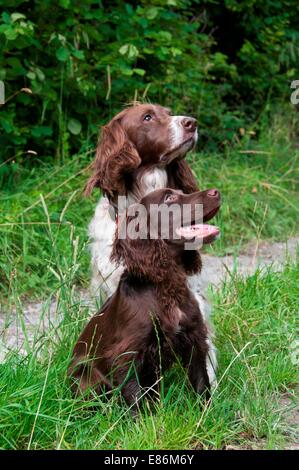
<point>199,231</point>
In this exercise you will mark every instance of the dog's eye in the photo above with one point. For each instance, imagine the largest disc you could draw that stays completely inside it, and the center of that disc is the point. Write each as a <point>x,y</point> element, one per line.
<point>147,117</point>
<point>170,197</point>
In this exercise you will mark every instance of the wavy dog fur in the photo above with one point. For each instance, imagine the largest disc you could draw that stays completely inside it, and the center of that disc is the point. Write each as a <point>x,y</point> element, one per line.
<point>152,318</point>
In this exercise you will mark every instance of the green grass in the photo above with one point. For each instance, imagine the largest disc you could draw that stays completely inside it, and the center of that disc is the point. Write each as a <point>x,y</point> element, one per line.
<point>255,323</point>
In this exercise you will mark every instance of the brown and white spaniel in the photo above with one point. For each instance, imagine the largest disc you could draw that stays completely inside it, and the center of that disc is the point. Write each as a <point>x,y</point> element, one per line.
<point>138,141</point>
<point>140,150</point>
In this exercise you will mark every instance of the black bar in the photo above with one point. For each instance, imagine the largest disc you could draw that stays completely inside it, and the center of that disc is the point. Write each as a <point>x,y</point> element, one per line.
<point>138,459</point>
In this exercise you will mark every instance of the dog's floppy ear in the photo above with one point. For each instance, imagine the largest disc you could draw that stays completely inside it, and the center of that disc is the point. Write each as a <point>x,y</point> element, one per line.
<point>115,156</point>
<point>181,177</point>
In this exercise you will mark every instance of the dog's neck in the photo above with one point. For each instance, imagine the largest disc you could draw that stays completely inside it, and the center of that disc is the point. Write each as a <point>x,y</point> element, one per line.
<point>172,271</point>
<point>141,182</point>
<point>172,292</point>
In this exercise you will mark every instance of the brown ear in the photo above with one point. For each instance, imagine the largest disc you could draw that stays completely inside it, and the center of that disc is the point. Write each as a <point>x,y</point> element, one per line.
<point>115,156</point>
<point>149,258</point>
<point>181,177</point>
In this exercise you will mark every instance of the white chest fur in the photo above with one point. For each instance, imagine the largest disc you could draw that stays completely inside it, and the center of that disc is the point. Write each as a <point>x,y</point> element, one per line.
<point>150,180</point>
<point>155,178</point>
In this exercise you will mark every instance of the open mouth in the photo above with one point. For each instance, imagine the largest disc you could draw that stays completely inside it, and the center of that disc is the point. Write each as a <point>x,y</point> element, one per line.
<point>204,232</point>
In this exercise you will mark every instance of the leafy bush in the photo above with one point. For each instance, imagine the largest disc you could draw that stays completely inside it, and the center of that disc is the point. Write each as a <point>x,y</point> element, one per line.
<point>79,62</point>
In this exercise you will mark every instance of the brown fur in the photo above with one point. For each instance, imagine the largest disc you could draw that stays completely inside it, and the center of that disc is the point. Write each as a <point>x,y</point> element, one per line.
<point>115,155</point>
<point>128,144</point>
<point>152,318</point>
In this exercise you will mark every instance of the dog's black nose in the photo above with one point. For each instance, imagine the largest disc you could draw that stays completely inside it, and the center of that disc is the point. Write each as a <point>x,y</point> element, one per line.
<point>189,123</point>
<point>213,193</point>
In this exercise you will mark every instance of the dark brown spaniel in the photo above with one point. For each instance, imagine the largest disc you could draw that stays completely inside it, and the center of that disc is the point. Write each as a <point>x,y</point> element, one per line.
<point>153,317</point>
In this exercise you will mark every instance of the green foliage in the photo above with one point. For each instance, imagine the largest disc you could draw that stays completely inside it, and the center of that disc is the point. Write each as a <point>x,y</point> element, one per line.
<point>83,60</point>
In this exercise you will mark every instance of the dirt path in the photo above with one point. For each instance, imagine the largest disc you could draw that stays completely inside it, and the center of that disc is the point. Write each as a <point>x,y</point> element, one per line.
<point>254,256</point>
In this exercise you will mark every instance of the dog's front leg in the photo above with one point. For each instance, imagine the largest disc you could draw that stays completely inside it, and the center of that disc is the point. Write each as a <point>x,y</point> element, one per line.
<point>131,391</point>
<point>195,360</point>
<point>198,374</point>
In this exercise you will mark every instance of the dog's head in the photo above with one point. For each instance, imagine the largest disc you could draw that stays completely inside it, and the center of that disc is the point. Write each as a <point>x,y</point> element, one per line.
<point>178,218</point>
<point>155,232</point>
<point>142,134</point>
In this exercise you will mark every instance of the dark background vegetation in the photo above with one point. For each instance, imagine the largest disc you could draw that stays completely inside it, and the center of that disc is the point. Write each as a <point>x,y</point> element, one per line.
<point>222,61</point>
